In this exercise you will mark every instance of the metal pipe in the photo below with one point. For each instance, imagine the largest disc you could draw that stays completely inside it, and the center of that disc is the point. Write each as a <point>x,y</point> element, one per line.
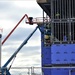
<point>0,49</point>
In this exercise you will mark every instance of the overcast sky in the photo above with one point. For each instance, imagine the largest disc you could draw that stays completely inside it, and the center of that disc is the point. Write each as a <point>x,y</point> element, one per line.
<point>11,11</point>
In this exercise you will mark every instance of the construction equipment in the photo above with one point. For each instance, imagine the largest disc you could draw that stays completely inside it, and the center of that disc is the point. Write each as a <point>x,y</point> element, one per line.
<point>4,68</point>
<point>38,20</point>
<point>28,20</point>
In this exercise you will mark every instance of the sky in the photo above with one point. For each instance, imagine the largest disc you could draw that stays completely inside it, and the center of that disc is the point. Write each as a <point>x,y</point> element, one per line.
<point>11,11</point>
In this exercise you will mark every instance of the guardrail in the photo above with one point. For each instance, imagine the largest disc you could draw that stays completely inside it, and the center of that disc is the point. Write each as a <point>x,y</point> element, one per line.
<point>34,70</point>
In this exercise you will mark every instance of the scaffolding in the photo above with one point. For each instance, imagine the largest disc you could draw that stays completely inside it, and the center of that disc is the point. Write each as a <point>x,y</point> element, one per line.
<point>62,23</point>
<point>58,45</point>
<point>63,20</point>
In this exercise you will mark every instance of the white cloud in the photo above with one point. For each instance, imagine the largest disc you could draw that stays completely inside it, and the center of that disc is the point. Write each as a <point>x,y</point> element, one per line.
<point>25,3</point>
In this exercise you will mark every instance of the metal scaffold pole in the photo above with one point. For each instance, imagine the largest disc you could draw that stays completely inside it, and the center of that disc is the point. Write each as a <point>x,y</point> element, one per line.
<point>0,47</point>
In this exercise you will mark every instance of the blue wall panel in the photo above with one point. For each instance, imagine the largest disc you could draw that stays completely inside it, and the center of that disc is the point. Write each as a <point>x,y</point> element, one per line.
<point>57,54</point>
<point>46,71</point>
<point>46,56</point>
<point>63,71</point>
<point>63,54</point>
<point>59,72</point>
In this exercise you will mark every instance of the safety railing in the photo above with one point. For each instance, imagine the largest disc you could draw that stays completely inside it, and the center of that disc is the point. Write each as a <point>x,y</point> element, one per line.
<point>23,71</point>
<point>36,70</point>
<point>39,20</point>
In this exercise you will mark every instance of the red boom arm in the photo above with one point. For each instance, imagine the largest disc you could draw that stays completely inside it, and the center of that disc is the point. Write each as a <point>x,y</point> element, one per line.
<point>15,28</point>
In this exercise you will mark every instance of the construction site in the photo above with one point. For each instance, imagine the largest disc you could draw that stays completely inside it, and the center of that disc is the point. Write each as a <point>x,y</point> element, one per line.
<point>57,33</point>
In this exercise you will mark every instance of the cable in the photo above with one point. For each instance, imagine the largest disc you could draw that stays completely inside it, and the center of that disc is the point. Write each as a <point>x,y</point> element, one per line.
<point>12,63</point>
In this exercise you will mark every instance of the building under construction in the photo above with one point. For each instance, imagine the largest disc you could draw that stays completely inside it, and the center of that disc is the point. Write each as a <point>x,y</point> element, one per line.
<point>57,38</point>
<point>58,44</point>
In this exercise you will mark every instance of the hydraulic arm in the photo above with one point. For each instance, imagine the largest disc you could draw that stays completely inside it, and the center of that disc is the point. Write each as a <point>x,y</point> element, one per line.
<point>15,27</point>
<point>15,53</point>
<point>30,20</point>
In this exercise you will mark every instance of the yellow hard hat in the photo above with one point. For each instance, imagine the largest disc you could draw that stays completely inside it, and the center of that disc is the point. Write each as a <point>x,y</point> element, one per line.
<point>46,36</point>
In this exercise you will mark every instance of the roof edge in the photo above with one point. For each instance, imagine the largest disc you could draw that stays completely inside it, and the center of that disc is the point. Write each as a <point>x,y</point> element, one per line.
<point>42,1</point>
